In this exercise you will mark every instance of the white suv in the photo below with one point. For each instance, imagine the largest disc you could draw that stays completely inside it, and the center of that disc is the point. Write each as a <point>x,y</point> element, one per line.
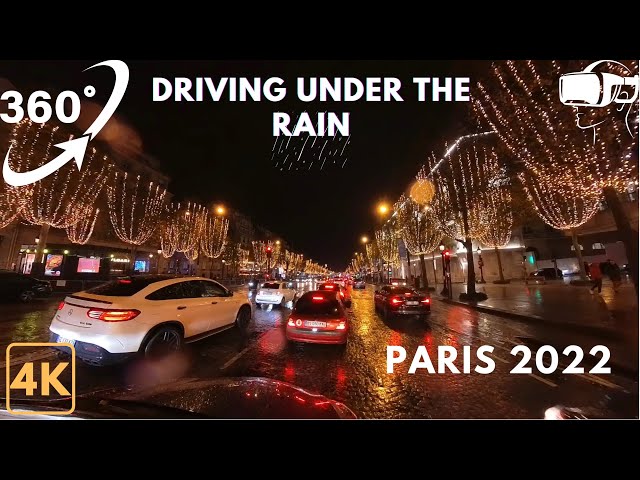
<point>150,314</point>
<point>275,293</point>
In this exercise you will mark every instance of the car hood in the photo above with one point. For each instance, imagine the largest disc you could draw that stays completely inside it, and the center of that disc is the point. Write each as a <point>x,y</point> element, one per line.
<point>246,397</point>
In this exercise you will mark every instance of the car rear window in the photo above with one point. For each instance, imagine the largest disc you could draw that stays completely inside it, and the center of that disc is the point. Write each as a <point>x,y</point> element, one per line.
<point>401,290</point>
<point>271,286</point>
<point>307,305</point>
<point>124,287</point>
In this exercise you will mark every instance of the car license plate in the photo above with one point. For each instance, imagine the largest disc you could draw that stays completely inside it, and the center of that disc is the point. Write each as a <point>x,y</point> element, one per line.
<point>65,340</point>
<point>315,324</point>
<point>413,304</point>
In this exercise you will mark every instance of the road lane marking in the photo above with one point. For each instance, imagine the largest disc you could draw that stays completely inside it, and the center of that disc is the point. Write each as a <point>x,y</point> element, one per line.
<point>543,380</point>
<point>601,381</point>
<point>236,357</point>
<point>494,356</point>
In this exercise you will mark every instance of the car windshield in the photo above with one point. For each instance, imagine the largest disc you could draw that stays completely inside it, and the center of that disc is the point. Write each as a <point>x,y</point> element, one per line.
<point>314,304</point>
<point>125,287</point>
<point>271,286</point>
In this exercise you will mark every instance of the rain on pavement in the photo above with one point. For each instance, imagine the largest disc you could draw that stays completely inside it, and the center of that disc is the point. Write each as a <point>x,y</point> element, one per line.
<point>356,375</point>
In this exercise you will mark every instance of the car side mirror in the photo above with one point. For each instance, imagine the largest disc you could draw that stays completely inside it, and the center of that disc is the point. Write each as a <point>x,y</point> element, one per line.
<point>229,293</point>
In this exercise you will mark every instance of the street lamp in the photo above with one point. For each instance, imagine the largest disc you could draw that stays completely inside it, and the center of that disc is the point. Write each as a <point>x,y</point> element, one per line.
<point>37,240</point>
<point>277,242</point>
<point>220,210</point>
<point>364,239</point>
<point>383,208</point>
<point>480,265</point>
<point>223,264</point>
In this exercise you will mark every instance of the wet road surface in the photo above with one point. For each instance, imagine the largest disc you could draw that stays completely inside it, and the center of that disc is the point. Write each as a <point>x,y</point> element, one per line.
<point>357,375</point>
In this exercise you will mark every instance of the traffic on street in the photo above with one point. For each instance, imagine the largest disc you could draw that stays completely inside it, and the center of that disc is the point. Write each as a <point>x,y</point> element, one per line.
<point>353,374</point>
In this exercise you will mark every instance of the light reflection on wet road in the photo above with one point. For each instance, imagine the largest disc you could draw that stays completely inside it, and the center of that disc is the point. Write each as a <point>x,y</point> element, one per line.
<point>357,374</point>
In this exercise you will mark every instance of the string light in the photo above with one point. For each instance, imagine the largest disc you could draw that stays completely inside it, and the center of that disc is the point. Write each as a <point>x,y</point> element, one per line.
<point>81,232</point>
<point>134,209</point>
<point>417,226</point>
<point>387,241</point>
<point>259,252</point>
<point>9,207</point>
<point>521,103</point>
<point>462,185</point>
<point>214,235</point>
<point>60,199</point>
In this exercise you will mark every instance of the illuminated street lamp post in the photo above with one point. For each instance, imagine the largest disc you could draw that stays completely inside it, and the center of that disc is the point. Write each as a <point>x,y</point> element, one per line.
<point>223,265</point>
<point>480,265</point>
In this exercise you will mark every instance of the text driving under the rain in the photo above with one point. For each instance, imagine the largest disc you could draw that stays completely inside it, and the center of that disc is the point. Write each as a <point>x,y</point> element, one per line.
<point>544,360</point>
<point>310,90</point>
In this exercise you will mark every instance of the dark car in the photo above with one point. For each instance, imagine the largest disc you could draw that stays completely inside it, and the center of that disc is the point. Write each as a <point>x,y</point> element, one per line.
<point>547,273</point>
<point>16,286</point>
<point>359,284</point>
<point>392,300</point>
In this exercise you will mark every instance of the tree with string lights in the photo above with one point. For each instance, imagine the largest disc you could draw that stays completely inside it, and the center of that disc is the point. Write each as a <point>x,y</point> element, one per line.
<point>387,242</point>
<point>81,231</point>
<point>259,253</point>
<point>135,208</point>
<point>9,206</point>
<point>60,199</point>
<point>213,236</point>
<point>462,180</point>
<point>578,151</point>
<point>418,229</point>
<point>498,207</point>
<point>373,257</point>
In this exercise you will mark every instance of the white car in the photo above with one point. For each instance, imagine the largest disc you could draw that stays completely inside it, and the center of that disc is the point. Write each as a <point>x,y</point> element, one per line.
<point>149,314</point>
<point>276,293</point>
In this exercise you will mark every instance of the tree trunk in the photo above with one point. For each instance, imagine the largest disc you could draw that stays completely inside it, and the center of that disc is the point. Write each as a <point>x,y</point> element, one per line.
<point>499,264</point>
<point>408,264</point>
<point>628,236</point>
<point>42,244</point>
<point>471,271</point>
<point>132,263</point>
<point>423,271</point>
<point>576,246</point>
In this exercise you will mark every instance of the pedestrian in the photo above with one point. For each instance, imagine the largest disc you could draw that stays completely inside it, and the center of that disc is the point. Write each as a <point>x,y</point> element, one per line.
<point>596,277</point>
<point>613,270</point>
<point>586,269</point>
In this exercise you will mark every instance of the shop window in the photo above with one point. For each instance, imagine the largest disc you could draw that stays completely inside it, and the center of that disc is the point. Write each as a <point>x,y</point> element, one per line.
<point>597,246</point>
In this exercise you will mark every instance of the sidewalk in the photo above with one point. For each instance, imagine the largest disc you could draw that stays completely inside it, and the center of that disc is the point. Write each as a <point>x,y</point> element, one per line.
<point>564,304</point>
<point>609,316</point>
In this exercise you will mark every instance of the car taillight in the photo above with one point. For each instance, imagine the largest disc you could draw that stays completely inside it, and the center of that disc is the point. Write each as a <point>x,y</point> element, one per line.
<point>112,315</point>
<point>61,305</point>
<point>397,300</point>
<point>342,325</point>
<point>426,300</point>
<point>317,299</point>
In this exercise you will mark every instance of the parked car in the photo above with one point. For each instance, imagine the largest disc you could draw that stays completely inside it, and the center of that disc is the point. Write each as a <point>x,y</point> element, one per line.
<point>393,300</point>
<point>547,273</point>
<point>345,292</point>
<point>149,314</point>
<point>398,282</point>
<point>276,293</point>
<point>360,284</point>
<point>318,317</point>
<point>17,286</point>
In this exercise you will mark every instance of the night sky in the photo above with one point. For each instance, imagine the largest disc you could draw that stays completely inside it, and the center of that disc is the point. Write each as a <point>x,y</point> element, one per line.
<point>222,151</point>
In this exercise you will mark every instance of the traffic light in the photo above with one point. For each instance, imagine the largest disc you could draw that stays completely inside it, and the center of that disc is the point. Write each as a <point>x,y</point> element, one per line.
<point>447,257</point>
<point>269,250</point>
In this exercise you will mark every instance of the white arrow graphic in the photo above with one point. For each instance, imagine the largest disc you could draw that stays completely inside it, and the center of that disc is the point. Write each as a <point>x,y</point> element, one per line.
<point>74,149</point>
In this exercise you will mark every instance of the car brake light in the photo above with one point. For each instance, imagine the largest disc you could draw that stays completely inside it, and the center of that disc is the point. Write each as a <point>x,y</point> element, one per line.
<point>342,325</point>
<point>124,281</point>
<point>61,305</point>
<point>112,315</point>
<point>426,300</point>
<point>397,300</point>
<point>291,323</point>
<point>342,294</point>
<point>317,299</point>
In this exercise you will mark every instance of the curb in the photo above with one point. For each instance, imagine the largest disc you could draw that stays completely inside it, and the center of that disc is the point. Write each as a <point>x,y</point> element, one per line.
<point>536,319</point>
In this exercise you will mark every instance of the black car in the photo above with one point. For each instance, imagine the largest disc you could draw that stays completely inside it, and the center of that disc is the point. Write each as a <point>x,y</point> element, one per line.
<point>547,273</point>
<point>392,300</point>
<point>16,286</point>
